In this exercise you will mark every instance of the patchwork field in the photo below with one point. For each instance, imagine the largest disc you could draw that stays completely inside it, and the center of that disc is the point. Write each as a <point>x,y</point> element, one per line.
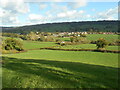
<point>60,69</point>
<point>36,44</point>
<point>87,46</point>
<point>108,37</point>
<point>94,37</point>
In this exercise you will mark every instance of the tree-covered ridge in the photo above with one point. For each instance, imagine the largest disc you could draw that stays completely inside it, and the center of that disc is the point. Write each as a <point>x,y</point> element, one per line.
<point>104,26</point>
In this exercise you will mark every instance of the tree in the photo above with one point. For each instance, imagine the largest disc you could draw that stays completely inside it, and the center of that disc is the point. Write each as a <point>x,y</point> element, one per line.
<point>83,35</point>
<point>101,43</point>
<point>72,39</point>
<point>12,44</point>
<point>32,36</point>
<point>76,39</point>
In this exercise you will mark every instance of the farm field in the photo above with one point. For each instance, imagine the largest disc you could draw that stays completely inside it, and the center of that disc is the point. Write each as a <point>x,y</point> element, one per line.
<point>108,37</point>
<point>94,37</point>
<point>63,69</point>
<point>37,44</point>
<point>60,69</point>
<point>53,69</point>
<point>96,58</point>
<point>87,46</point>
<point>59,45</point>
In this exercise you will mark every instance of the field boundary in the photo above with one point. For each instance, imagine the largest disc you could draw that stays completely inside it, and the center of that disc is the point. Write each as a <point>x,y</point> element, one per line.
<point>93,50</point>
<point>14,52</point>
<point>51,48</point>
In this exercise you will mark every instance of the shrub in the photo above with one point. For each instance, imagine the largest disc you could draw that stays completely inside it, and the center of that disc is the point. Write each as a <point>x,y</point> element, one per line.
<point>58,40</point>
<point>72,39</point>
<point>101,43</point>
<point>49,39</point>
<point>76,39</point>
<point>41,38</point>
<point>62,43</point>
<point>46,38</point>
<point>83,35</point>
<point>32,36</point>
<point>93,42</point>
<point>12,44</point>
<point>24,37</point>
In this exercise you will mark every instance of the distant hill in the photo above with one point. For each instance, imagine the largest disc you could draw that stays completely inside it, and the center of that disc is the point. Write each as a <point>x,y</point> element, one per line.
<point>66,27</point>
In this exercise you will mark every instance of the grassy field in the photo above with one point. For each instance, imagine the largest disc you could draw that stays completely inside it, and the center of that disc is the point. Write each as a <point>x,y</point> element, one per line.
<point>96,58</point>
<point>94,37</point>
<point>37,44</point>
<point>105,36</point>
<point>86,46</point>
<point>60,69</point>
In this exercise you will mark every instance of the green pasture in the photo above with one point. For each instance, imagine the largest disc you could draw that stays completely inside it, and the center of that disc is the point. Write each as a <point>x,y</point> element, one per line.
<point>108,37</point>
<point>37,44</point>
<point>94,37</point>
<point>60,69</point>
<point>96,58</point>
<point>86,46</point>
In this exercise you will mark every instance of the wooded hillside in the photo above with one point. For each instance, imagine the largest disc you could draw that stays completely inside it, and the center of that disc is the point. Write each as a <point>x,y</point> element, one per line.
<point>104,26</point>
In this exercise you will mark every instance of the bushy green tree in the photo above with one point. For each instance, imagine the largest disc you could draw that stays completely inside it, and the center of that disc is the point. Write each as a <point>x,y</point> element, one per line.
<point>58,40</point>
<point>12,44</point>
<point>101,43</point>
<point>83,35</point>
<point>76,39</point>
<point>49,39</point>
<point>41,38</point>
<point>32,36</point>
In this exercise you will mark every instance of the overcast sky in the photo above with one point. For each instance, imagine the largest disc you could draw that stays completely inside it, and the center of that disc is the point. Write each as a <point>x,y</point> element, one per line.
<point>28,12</point>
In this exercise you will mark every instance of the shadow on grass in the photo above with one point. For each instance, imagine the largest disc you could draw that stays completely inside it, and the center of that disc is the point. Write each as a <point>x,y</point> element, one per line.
<point>67,40</point>
<point>71,74</point>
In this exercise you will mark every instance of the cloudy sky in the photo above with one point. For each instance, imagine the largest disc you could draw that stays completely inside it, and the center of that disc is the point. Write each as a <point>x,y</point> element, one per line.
<point>29,12</point>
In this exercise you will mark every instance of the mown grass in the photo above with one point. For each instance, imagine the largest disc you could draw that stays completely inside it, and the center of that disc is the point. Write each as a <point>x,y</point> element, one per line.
<point>87,46</point>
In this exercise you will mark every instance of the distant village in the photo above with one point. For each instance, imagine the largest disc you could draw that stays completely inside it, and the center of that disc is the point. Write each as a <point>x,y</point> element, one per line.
<point>67,34</point>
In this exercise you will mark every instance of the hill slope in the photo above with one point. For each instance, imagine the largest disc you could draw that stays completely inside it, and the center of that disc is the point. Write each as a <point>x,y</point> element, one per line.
<point>66,27</point>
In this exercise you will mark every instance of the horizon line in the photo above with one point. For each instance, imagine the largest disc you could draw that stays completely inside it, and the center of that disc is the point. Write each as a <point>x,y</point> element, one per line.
<point>52,23</point>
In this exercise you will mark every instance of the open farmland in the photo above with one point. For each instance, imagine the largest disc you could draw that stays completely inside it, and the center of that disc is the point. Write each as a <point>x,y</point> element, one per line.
<point>36,45</point>
<point>60,69</point>
<point>53,69</point>
<point>108,37</point>
<point>59,44</point>
<point>94,37</point>
<point>86,46</point>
